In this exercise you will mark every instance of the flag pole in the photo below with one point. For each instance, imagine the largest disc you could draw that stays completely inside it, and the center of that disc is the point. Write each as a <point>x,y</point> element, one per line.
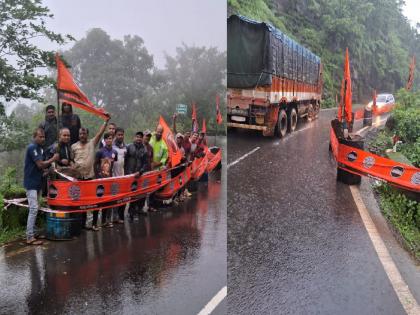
<point>58,99</point>
<point>215,136</point>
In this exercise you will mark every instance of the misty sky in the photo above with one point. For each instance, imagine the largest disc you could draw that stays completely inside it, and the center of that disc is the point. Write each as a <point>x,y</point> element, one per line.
<point>412,11</point>
<point>162,24</point>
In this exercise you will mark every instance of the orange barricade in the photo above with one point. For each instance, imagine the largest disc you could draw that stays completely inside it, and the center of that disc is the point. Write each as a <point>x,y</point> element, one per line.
<point>81,196</point>
<point>367,164</point>
<point>176,183</point>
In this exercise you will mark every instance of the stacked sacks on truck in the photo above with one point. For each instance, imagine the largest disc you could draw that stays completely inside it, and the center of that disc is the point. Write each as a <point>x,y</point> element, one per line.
<point>269,76</point>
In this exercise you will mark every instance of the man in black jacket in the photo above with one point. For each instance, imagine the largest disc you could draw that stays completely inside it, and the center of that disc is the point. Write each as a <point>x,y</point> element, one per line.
<point>50,126</point>
<point>136,161</point>
<point>70,121</point>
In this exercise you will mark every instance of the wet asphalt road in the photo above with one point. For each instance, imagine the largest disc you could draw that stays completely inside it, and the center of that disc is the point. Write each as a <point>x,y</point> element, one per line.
<point>171,262</point>
<point>296,242</point>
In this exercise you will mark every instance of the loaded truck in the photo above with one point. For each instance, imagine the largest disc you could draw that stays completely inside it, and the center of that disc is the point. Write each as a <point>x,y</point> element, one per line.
<point>272,80</point>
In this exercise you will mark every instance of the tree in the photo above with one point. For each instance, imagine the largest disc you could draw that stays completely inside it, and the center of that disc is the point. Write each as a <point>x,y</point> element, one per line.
<point>196,74</point>
<point>112,73</point>
<point>20,22</point>
<point>14,133</point>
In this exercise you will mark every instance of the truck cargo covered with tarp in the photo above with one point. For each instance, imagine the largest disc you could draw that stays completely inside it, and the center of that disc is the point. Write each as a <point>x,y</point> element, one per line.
<point>257,51</point>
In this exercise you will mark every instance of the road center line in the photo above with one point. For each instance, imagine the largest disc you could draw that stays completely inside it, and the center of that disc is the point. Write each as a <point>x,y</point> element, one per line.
<point>214,302</point>
<point>402,290</point>
<point>243,157</point>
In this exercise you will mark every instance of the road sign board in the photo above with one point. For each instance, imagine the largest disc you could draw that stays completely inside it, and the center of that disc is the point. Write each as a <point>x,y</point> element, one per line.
<point>181,108</point>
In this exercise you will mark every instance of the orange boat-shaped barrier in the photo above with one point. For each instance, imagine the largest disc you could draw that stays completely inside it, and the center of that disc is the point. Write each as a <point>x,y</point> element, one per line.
<point>199,166</point>
<point>80,196</point>
<point>214,157</point>
<point>176,183</point>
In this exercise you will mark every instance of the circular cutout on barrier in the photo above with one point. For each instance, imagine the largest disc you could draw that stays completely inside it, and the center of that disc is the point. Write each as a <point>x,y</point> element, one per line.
<point>145,183</point>
<point>397,171</point>
<point>134,186</point>
<point>180,180</point>
<point>352,156</point>
<point>52,192</point>
<point>368,162</point>
<point>100,190</point>
<point>415,179</point>
<point>115,189</point>
<point>159,179</point>
<point>74,192</point>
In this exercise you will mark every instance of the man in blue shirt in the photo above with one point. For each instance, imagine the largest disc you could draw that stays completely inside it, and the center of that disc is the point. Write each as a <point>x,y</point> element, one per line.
<point>32,180</point>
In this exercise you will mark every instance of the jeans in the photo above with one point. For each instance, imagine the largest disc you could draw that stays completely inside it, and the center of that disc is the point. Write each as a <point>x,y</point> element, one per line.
<point>32,196</point>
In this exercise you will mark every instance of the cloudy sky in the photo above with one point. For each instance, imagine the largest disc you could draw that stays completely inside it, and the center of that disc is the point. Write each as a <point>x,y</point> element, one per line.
<point>162,24</point>
<point>412,11</point>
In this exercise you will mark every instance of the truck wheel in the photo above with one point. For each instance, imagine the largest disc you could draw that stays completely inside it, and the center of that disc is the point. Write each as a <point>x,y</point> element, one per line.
<point>282,123</point>
<point>311,112</point>
<point>293,119</point>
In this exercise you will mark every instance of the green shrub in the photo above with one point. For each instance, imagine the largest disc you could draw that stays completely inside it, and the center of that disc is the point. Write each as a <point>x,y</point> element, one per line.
<point>380,143</point>
<point>404,215</point>
<point>9,187</point>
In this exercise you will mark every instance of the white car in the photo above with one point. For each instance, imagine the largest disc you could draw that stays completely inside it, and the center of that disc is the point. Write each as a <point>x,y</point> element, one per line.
<point>384,102</point>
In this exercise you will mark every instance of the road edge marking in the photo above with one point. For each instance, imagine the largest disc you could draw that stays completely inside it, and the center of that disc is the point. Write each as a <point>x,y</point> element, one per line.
<point>402,290</point>
<point>210,306</point>
<point>243,157</point>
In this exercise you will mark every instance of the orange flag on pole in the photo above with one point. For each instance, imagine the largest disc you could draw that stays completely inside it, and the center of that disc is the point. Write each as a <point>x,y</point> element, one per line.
<point>410,79</point>
<point>219,118</point>
<point>204,128</point>
<point>69,92</point>
<point>345,93</point>
<point>194,112</point>
<point>174,153</point>
<point>347,88</point>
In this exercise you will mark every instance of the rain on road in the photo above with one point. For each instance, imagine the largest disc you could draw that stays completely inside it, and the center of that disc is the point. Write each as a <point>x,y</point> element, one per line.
<point>296,242</point>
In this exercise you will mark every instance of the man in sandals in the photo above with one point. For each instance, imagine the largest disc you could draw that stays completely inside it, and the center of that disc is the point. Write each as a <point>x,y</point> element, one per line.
<point>32,180</point>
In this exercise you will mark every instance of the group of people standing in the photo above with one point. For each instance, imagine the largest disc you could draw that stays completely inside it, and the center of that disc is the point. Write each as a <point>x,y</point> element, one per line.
<point>75,155</point>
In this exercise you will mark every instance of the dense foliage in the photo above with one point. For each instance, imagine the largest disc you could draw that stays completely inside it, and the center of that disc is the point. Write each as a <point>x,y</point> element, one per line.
<point>402,212</point>
<point>379,38</point>
<point>121,77</point>
<point>20,22</point>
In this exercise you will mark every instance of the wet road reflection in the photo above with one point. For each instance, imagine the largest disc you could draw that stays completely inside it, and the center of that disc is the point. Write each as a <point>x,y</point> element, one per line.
<point>296,243</point>
<point>172,261</point>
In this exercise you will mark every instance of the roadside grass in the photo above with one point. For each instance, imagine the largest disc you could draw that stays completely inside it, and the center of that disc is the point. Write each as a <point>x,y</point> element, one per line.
<point>8,235</point>
<point>400,209</point>
<point>404,216</point>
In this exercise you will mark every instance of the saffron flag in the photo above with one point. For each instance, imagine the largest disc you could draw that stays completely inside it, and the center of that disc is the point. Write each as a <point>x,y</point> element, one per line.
<point>174,153</point>
<point>204,128</point>
<point>345,93</point>
<point>219,118</point>
<point>69,92</point>
<point>410,79</point>
<point>374,102</point>
<point>194,112</point>
<point>347,89</point>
